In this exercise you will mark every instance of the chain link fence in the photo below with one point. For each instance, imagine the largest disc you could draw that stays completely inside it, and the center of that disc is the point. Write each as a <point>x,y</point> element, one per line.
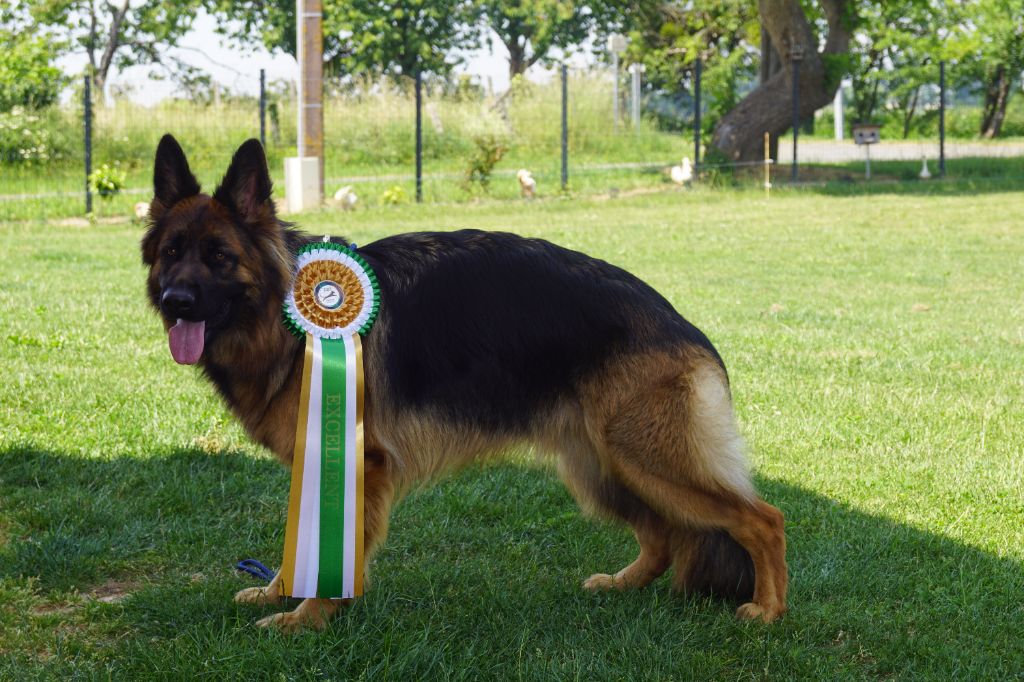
<point>618,137</point>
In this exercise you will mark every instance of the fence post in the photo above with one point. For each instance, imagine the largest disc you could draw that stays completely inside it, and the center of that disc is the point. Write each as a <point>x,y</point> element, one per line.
<point>419,137</point>
<point>942,119</point>
<point>263,108</point>
<point>565,127</point>
<point>636,95</point>
<point>615,89</point>
<point>696,111</point>
<point>795,57</point>
<point>87,114</point>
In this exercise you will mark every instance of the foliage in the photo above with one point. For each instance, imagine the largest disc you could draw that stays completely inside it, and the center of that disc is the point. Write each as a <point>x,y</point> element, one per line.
<point>415,36</point>
<point>530,29</point>
<point>28,77</point>
<point>32,137</point>
<point>488,150</point>
<point>108,179</point>
<point>110,35</point>
<point>894,60</point>
<point>988,45</point>
<point>363,36</point>
<point>393,196</point>
<point>668,38</point>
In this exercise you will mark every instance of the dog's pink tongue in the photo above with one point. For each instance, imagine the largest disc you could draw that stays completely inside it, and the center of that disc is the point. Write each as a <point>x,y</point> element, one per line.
<point>186,341</point>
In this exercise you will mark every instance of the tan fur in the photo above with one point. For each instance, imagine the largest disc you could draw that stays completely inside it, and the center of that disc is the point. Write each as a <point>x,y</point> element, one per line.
<point>656,430</point>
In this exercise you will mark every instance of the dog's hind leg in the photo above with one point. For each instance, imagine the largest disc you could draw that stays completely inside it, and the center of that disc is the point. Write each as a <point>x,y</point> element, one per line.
<point>672,441</point>
<point>604,496</point>
<point>652,562</point>
<point>378,495</point>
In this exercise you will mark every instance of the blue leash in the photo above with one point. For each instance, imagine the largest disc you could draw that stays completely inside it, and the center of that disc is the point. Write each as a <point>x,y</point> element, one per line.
<point>255,569</point>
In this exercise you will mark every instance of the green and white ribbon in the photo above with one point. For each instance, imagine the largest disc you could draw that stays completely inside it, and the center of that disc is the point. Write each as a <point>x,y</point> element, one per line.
<point>325,532</point>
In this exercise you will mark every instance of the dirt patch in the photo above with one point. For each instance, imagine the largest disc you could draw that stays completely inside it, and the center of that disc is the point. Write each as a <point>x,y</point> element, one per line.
<point>84,222</point>
<point>54,609</point>
<point>112,591</point>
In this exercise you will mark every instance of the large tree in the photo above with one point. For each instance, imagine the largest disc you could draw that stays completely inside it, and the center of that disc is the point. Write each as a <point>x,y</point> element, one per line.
<point>401,38</point>
<point>995,40</point>
<point>669,38</point>
<point>121,34</point>
<point>362,36</point>
<point>529,29</point>
<point>739,135</point>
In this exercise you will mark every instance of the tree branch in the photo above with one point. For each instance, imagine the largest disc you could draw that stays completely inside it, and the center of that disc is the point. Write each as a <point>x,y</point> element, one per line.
<point>113,42</point>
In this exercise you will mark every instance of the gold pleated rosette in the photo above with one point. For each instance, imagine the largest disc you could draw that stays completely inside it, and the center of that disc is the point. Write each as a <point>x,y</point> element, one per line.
<point>334,293</point>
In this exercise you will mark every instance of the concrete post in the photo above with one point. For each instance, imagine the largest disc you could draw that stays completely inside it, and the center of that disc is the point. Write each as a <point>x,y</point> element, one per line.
<point>310,44</point>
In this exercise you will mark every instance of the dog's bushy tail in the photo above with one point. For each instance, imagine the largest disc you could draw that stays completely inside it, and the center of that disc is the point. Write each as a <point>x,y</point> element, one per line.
<point>710,562</point>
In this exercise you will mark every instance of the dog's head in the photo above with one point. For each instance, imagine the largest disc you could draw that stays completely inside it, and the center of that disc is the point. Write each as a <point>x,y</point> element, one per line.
<point>214,261</point>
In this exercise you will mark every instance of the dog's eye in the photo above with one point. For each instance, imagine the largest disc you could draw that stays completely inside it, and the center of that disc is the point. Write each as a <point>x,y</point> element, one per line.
<point>170,252</point>
<point>219,255</point>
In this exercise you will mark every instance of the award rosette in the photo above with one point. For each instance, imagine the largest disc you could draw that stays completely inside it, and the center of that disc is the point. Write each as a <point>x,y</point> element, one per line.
<point>333,299</point>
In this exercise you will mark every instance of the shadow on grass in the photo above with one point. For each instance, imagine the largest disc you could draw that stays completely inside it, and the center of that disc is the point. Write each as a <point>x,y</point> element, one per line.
<point>480,578</point>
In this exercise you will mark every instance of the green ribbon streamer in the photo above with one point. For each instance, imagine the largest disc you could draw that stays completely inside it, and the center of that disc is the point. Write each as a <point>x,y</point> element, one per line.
<point>332,469</point>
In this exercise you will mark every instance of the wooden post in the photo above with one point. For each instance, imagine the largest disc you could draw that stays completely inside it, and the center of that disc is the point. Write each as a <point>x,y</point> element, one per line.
<point>310,50</point>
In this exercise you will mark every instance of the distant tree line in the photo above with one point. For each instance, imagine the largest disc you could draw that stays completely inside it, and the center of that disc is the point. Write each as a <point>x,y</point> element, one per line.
<point>888,48</point>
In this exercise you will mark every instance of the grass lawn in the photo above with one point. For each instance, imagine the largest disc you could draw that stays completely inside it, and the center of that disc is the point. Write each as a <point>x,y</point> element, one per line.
<point>875,345</point>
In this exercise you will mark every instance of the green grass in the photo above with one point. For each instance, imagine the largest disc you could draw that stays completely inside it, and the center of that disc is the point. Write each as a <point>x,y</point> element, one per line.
<point>874,345</point>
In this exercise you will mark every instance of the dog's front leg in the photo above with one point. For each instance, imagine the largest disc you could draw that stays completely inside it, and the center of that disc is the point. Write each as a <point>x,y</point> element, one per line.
<point>271,594</point>
<point>311,613</point>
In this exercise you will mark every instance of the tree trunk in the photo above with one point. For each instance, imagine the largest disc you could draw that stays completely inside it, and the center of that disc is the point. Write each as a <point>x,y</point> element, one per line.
<point>770,62</point>
<point>517,63</point>
<point>908,112</point>
<point>997,94</point>
<point>739,135</point>
<point>113,43</point>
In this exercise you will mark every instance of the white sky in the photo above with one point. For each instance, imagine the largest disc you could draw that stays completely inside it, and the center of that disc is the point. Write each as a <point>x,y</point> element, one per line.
<point>239,71</point>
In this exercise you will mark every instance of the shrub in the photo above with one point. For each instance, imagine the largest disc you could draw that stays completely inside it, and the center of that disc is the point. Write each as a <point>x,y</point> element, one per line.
<point>393,195</point>
<point>31,137</point>
<point>488,150</point>
<point>108,180</point>
<point>27,77</point>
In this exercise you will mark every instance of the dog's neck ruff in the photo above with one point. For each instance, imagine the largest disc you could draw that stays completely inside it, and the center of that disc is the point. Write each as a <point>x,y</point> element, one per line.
<point>332,300</point>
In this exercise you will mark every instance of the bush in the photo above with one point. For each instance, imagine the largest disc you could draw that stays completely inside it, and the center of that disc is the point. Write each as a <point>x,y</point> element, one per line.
<point>393,196</point>
<point>487,152</point>
<point>31,137</point>
<point>108,180</point>
<point>27,79</point>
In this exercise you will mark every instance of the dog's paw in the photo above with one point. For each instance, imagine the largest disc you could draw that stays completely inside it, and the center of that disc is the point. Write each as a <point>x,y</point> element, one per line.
<point>283,622</point>
<point>601,581</point>
<point>755,611</point>
<point>256,595</point>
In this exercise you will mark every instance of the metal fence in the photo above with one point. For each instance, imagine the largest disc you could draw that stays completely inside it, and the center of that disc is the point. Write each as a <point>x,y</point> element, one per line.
<point>581,130</point>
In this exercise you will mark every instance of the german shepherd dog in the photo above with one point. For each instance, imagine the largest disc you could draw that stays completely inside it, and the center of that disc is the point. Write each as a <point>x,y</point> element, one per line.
<point>484,341</point>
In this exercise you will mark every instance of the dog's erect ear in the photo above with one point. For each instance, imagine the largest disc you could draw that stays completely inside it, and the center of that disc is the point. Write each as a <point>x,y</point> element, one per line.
<point>246,186</point>
<point>172,179</point>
